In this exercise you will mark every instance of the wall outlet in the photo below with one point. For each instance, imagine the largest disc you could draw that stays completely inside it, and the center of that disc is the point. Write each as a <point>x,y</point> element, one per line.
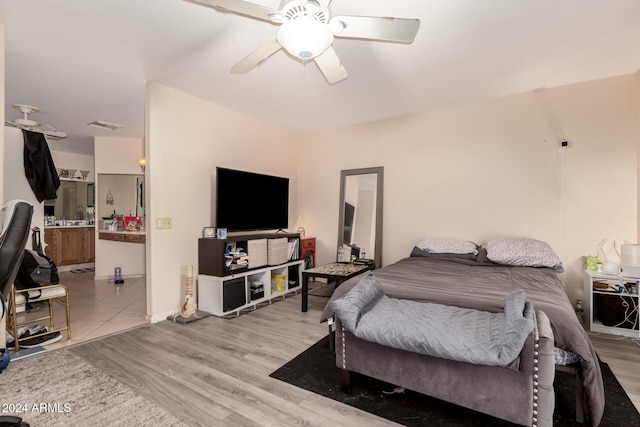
<point>163,223</point>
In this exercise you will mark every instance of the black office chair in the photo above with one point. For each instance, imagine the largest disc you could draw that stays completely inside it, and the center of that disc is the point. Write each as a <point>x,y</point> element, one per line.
<point>15,220</point>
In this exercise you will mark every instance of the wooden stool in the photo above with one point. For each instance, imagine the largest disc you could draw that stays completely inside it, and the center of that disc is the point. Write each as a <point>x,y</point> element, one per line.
<point>17,298</point>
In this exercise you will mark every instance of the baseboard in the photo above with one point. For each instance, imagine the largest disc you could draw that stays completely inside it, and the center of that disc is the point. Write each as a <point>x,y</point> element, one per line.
<point>163,316</point>
<point>133,276</point>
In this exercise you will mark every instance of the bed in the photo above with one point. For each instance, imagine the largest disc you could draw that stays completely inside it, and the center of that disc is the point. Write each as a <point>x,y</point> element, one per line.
<point>474,281</point>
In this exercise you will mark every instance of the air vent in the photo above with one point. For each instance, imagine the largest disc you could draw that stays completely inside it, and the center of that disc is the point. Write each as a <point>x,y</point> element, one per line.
<point>105,125</point>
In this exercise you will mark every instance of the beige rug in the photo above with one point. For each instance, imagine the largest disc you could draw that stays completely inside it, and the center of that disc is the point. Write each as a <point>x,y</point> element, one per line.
<point>57,388</point>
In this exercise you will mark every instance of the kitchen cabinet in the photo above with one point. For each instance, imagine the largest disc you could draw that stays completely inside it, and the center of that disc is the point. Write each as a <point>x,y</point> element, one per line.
<point>70,245</point>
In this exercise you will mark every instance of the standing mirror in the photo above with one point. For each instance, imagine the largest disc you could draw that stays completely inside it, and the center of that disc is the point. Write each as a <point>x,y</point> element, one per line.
<point>360,224</point>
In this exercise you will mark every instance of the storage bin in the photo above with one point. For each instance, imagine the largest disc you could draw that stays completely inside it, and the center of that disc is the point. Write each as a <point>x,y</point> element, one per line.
<point>257,251</point>
<point>611,310</point>
<point>277,251</point>
<point>257,290</point>
<point>233,294</point>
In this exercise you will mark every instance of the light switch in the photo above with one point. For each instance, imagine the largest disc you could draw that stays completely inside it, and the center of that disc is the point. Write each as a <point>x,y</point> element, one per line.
<point>163,223</point>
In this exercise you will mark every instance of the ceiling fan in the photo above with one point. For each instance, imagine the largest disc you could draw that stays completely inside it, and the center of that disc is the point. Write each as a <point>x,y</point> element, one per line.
<point>307,30</point>
<point>26,123</point>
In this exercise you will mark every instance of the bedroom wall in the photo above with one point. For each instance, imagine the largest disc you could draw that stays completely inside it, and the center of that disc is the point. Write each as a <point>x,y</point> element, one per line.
<point>16,185</point>
<point>491,168</point>
<point>2,112</point>
<point>186,138</point>
<point>637,92</point>
<point>65,160</point>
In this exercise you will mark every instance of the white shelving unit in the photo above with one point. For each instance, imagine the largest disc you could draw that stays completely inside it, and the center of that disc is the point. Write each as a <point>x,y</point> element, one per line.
<point>225,287</point>
<point>221,296</point>
<point>591,322</point>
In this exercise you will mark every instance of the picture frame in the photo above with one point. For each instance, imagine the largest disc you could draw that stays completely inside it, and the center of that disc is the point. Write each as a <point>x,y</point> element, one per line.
<point>209,232</point>
<point>222,233</point>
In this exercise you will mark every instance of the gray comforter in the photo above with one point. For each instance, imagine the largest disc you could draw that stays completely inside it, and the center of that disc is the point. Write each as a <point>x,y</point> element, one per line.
<point>438,330</point>
<point>484,286</point>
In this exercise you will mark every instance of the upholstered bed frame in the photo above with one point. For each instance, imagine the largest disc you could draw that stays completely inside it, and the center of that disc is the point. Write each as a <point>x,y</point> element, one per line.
<point>521,393</point>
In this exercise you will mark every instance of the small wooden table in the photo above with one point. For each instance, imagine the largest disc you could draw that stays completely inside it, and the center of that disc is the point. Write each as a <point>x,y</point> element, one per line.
<point>337,271</point>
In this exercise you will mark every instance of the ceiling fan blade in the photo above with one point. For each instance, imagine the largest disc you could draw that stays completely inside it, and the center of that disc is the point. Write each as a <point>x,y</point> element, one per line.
<point>324,4</point>
<point>264,51</point>
<point>241,7</point>
<point>330,66</point>
<point>375,28</point>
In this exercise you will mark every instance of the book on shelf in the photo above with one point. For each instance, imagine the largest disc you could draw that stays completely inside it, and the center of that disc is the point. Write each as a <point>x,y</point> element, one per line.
<point>292,249</point>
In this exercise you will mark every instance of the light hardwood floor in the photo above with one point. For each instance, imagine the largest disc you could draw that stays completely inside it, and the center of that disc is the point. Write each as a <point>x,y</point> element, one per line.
<point>622,355</point>
<point>216,372</point>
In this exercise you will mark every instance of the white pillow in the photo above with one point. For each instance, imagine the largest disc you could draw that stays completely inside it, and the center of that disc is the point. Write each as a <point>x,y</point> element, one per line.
<point>522,252</point>
<point>448,246</point>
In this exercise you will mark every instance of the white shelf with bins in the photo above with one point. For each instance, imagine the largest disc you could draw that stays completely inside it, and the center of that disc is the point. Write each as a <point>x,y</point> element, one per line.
<point>590,321</point>
<point>230,294</point>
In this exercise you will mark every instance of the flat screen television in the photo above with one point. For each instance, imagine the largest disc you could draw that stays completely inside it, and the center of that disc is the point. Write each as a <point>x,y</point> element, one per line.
<point>248,201</point>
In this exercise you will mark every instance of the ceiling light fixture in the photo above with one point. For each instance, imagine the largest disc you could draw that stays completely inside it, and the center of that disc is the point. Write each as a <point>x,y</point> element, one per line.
<point>305,38</point>
<point>101,124</point>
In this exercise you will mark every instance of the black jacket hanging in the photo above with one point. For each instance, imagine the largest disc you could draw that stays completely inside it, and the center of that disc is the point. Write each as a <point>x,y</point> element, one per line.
<point>38,166</point>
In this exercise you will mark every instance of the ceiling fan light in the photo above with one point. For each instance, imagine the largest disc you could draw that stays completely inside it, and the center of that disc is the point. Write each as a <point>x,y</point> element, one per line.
<point>336,26</point>
<point>304,38</point>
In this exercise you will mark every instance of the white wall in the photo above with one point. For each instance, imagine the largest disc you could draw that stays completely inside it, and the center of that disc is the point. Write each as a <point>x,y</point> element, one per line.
<point>117,156</point>
<point>2,112</point>
<point>637,92</point>
<point>186,138</point>
<point>16,185</point>
<point>66,160</point>
<point>492,168</point>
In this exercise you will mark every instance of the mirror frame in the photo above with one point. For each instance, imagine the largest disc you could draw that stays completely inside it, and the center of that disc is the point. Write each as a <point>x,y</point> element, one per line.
<point>379,171</point>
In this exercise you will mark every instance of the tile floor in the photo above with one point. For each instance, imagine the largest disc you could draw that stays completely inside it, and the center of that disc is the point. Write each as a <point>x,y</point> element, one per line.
<point>97,308</point>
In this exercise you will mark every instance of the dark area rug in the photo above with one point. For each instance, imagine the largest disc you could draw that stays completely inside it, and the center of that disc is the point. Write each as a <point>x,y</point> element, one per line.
<point>315,370</point>
<point>83,270</point>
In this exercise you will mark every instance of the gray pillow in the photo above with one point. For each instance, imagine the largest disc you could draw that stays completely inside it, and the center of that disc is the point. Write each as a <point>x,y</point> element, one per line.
<point>522,252</point>
<point>448,246</point>
<point>417,252</point>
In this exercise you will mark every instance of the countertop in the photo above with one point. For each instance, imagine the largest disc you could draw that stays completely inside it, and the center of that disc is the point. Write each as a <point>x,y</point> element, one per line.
<point>70,226</point>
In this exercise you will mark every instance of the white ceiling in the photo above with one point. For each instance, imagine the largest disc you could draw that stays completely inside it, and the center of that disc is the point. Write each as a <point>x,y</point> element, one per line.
<point>85,60</point>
